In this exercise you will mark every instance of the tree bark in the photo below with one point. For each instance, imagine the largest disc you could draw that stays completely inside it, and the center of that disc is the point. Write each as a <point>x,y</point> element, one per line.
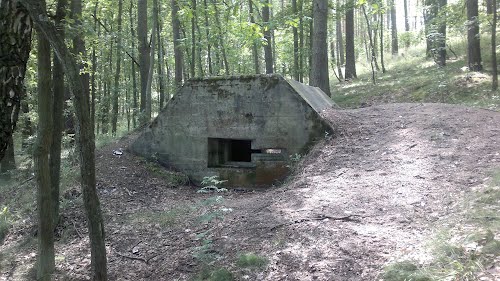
<point>15,45</point>
<point>382,43</point>
<point>221,36</point>
<point>8,163</point>
<point>144,52</point>
<point>494,84</point>
<point>148,111</point>
<point>319,67</point>
<point>176,31</point>
<point>46,258</point>
<point>116,87</point>
<point>407,21</point>
<point>161,62</point>
<point>85,138</point>
<point>268,54</point>
<point>57,116</point>
<point>340,40</point>
<point>350,60</point>
<point>193,38</point>
<point>255,52</point>
<point>473,43</point>
<point>301,40</point>
<point>372,47</point>
<point>134,77</point>
<point>94,70</point>
<point>394,29</point>
<point>209,43</point>
<point>441,46</point>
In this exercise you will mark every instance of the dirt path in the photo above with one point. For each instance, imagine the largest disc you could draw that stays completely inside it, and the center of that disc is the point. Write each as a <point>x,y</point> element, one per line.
<point>369,194</point>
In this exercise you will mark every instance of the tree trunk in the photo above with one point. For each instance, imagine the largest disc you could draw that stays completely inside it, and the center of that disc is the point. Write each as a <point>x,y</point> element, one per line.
<point>57,115</point>
<point>430,14</point>
<point>255,52</point>
<point>209,43</point>
<point>382,43</point>
<point>221,37</point>
<point>176,31</point>
<point>46,258</point>
<point>441,46</point>
<point>161,62</point>
<point>85,139</point>
<point>372,48</point>
<point>8,163</point>
<point>340,40</point>
<point>114,110</point>
<point>301,40</point>
<point>144,52</point>
<point>494,84</point>
<point>148,111</point>
<point>473,43</point>
<point>350,60</point>
<point>94,69</point>
<point>394,30</point>
<point>319,68</point>
<point>407,21</point>
<point>268,54</point>
<point>134,77</point>
<point>193,38</point>
<point>15,40</point>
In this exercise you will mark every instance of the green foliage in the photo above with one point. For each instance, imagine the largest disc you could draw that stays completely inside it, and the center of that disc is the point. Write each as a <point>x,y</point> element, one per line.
<point>214,274</point>
<point>413,78</point>
<point>404,271</point>
<point>5,223</point>
<point>211,184</point>
<point>252,260</point>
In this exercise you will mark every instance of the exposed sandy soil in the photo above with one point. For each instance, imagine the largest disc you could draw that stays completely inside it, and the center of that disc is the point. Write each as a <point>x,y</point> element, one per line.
<point>371,193</point>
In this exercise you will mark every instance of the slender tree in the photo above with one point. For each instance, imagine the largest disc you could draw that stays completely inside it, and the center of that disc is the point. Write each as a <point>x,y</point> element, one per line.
<point>441,46</point>
<point>116,87</point>
<point>144,53</point>
<point>85,135</point>
<point>350,60</point>
<point>382,42</point>
<point>394,29</point>
<point>319,76</point>
<point>46,257</point>
<point>494,84</point>
<point>132,62</point>
<point>161,61</point>
<point>340,40</point>
<point>407,21</point>
<point>296,70</point>
<point>176,31</point>
<point>473,43</point>
<point>148,111</point>
<point>430,13</point>
<point>57,114</point>
<point>268,54</point>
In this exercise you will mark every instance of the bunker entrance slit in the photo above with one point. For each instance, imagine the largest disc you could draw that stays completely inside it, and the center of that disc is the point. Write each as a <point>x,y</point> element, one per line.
<point>230,153</point>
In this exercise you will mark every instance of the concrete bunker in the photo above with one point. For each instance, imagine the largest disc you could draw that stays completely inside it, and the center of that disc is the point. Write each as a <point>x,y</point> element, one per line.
<point>243,128</point>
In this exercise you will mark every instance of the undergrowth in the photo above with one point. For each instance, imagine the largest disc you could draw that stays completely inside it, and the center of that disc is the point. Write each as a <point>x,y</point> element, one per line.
<point>462,252</point>
<point>413,78</point>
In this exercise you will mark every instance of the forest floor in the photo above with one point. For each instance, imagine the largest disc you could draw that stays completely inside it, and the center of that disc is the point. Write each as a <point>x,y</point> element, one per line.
<point>391,179</point>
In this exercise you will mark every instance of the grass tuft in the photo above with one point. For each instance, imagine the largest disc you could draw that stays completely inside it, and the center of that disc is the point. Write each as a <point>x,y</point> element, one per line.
<point>214,274</point>
<point>405,271</point>
<point>252,260</point>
